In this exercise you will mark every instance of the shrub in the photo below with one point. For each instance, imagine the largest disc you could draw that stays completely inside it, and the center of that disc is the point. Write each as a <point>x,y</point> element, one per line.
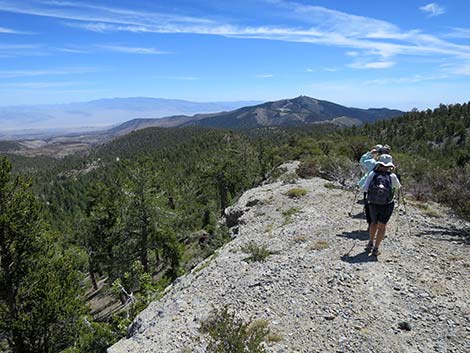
<point>288,214</point>
<point>307,169</point>
<point>456,190</point>
<point>296,193</point>
<point>320,245</point>
<point>289,178</point>
<point>258,253</point>
<point>274,337</point>
<point>339,168</point>
<point>276,173</point>
<point>227,333</point>
<point>331,186</point>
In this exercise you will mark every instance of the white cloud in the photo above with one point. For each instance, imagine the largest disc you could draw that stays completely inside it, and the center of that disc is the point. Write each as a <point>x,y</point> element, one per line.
<point>460,69</point>
<point>406,80</point>
<point>372,65</point>
<point>4,30</point>
<point>352,53</point>
<point>458,32</point>
<point>39,84</point>
<point>328,69</point>
<point>14,50</point>
<point>371,39</point>
<point>133,50</point>
<point>46,72</point>
<point>264,75</point>
<point>73,50</point>
<point>433,9</point>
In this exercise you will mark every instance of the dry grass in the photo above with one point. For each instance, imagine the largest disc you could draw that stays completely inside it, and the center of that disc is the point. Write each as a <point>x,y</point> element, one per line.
<point>273,337</point>
<point>288,215</point>
<point>320,245</point>
<point>301,238</point>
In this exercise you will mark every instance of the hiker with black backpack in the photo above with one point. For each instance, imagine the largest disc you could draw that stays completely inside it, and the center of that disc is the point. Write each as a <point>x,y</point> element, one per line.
<point>381,185</point>
<point>368,161</point>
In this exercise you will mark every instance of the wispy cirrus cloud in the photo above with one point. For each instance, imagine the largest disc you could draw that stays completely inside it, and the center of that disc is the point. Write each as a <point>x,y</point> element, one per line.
<point>74,50</point>
<point>46,72</point>
<point>264,76</point>
<point>433,9</point>
<point>372,40</point>
<point>112,48</point>
<point>82,11</point>
<point>458,32</point>
<point>14,50</point>
<point>133,50</point>
<point>328,69</point>
<point>372,65</point>
<point>4,30</point>
<point>406,80</point>
<point>460,68</point>
<point>36,85</point>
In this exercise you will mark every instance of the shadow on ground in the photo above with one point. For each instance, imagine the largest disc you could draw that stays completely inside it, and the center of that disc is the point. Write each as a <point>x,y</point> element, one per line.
<point>447,234</point>
<point>360,215</point>
<point>358,258</point>
<point>357,235</point>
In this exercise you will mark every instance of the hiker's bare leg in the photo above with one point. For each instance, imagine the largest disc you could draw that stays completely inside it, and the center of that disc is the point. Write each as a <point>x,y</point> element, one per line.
<point>380,234</point>
<point>372,231</point>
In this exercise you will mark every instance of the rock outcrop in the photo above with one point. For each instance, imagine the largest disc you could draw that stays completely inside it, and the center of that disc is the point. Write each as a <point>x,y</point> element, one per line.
<point>318,290</point>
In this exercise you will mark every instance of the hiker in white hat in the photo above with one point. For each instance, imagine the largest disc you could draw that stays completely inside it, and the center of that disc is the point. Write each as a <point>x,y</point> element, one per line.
<point>368,161</point>
<point>380,186</point>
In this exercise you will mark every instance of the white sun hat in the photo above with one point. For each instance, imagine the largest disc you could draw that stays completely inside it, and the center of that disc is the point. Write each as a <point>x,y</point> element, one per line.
<point>385,149</point>
<point>386,160</point>
<point>376,148</point>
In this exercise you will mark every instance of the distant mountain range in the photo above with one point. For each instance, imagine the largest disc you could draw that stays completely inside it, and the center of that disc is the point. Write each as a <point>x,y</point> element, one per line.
<point>101,113</point>
<point>286,112</point>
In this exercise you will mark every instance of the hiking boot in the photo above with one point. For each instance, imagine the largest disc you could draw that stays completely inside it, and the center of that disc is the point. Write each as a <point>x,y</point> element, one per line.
<point>369,247</point>
<point>375,252</point>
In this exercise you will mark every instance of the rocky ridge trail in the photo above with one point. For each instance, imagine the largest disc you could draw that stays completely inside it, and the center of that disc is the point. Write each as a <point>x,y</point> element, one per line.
<point>314,294</point>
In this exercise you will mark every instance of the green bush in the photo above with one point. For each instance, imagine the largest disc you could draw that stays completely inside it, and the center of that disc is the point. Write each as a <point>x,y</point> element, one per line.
<point>288,214</point>
<point>454,190</point>
<point>289,178</point>
<point>296,193</point>
<point>339,168</point>
<point>307,169</point>
<point>258,253</point>
<point>227,333</point>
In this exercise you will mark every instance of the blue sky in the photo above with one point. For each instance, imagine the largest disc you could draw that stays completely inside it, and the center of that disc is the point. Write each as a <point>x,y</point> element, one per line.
<point>364,53</point>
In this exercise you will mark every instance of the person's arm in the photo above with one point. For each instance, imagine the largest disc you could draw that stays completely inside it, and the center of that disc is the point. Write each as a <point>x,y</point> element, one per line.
<point>395,182</point>
<point>368,180</point>
<point>364,157</point>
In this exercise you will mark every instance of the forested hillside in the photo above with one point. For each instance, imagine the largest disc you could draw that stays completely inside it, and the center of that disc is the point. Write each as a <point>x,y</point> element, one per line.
<point>144,208</point>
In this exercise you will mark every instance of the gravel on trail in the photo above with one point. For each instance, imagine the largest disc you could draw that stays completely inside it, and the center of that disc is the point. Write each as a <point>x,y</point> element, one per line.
<point>319,290</point>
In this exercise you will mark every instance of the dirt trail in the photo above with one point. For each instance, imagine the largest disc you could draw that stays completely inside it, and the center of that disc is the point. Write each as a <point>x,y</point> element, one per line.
<point>317,298</point>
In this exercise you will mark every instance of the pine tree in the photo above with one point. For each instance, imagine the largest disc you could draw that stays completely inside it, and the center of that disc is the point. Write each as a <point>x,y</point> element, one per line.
<point>40,295</point>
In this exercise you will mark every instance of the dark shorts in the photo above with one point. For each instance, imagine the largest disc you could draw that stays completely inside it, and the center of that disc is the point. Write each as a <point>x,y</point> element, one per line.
<point>380,213</point>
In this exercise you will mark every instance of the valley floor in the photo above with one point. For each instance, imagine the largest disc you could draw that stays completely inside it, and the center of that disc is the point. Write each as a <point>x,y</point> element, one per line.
<point>319,290</point>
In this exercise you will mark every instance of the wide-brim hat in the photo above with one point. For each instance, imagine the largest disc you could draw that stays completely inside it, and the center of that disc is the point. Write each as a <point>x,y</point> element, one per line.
<point>376,148</point>
<point>385,149</point>
<point>386,160</point>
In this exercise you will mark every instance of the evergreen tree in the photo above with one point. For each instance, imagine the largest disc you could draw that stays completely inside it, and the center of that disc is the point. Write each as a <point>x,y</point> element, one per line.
<point>40,287</point>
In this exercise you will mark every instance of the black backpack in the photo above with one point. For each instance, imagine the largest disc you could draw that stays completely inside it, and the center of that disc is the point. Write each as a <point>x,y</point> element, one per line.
<point>380,189</point>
